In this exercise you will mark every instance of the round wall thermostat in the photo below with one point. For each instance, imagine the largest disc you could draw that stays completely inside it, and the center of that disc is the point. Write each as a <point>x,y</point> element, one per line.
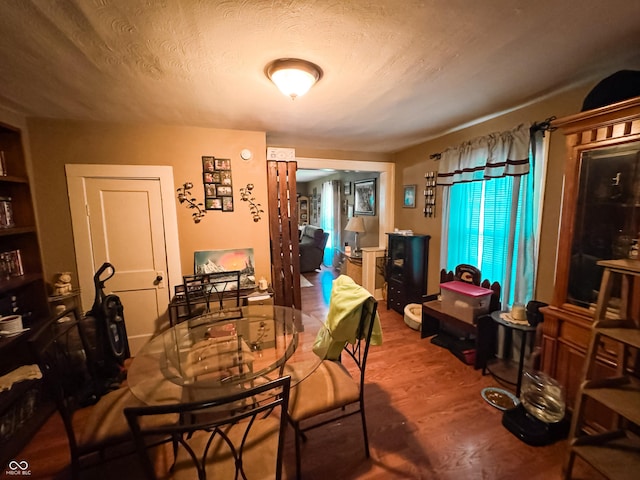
<point>246,154</point>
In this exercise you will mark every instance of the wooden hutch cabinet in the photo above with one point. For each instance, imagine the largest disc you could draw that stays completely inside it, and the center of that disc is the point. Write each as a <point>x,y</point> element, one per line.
<point>600,221</point>
<point>407,268</point>
<point>23,408</point>
<point>303,210</point>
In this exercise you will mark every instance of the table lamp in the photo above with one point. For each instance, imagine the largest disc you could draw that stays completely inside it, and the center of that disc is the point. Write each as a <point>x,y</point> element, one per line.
<point>356,225</point>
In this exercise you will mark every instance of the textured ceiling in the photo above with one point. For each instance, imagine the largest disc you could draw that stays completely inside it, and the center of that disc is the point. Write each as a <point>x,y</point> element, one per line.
<point>396,72</point>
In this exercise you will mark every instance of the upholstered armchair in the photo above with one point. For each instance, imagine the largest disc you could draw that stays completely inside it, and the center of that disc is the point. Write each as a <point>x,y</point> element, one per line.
<point>312,242</point>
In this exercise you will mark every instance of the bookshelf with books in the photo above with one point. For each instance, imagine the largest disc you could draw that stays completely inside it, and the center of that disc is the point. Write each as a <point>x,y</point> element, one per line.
<point>22,292</point>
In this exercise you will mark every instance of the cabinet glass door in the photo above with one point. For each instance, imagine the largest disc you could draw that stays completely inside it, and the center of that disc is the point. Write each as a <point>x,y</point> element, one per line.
<point>397,256</point>
<point>607,223</point>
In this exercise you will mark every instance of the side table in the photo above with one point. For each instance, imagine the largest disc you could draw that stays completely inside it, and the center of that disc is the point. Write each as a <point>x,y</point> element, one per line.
<point>511,327</point>
<point>352,265</point>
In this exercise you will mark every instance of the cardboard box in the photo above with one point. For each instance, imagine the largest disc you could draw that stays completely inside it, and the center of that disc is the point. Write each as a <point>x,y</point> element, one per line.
<point>464,300</point>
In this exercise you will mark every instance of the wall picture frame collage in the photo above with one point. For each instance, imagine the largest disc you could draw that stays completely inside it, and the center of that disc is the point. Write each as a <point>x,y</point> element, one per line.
<point>218,183</point>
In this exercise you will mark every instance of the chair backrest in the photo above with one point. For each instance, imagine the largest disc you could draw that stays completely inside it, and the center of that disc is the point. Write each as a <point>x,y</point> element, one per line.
<point>359,350</point>
<point>315,236</point>
<point>60,350</point>
<point>467,273</point>
<point>229,437</point>
<point>325,238</point>
<point>205,287</point>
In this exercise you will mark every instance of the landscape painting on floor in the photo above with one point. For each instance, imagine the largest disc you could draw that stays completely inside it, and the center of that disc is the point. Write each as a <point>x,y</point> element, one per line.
<point>213,261</point>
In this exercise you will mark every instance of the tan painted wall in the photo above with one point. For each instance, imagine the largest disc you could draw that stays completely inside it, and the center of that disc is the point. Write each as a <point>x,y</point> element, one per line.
<point>56,143</point>
<point>412,164</point>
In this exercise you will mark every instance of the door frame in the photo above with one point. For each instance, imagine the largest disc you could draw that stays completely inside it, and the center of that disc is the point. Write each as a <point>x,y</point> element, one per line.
<point>76,175</point>
<point>387,180</point>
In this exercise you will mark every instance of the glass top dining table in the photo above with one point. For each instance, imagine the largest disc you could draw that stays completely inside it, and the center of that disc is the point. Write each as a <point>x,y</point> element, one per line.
<point>215,354</point>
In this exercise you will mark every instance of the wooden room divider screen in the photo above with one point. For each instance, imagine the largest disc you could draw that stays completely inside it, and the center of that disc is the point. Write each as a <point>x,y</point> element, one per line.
<point>283,230</point>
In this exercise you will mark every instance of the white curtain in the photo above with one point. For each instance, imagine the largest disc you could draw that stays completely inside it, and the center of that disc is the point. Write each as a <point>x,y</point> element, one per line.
<point>330,220</point>
<point>494,156</point>
<point>490,208</point>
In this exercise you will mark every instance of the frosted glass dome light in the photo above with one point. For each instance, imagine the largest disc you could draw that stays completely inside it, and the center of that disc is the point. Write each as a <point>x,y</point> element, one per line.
<point>292,76</point>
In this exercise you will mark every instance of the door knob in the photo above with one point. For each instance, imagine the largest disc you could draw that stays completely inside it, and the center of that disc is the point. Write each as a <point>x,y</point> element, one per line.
<point>159,278</point>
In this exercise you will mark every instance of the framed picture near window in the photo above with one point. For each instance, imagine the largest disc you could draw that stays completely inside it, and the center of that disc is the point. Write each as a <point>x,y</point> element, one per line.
<point>347,188</point>
<point>365,197</point>
<point>409,196</point>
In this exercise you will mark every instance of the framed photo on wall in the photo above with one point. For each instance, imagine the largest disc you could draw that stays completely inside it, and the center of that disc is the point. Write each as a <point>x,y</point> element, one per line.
<point>365,197</point>
<point>223,191</point>
<point>213,203</point>
<point>227,204</point>
<point>222,164</point>
<point>409,196</point>
<point>209,190</point>
<point>225,177</point>
<point>207,164</point>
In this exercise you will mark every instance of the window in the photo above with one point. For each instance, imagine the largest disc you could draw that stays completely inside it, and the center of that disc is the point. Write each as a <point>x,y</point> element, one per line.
<point>492,223</point>
<point>482,231</point>
<point>330,219</point>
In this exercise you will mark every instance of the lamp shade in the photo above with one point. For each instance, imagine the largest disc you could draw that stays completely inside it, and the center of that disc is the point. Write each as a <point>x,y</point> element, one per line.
<point>355,224</point>
<point>292,76</point>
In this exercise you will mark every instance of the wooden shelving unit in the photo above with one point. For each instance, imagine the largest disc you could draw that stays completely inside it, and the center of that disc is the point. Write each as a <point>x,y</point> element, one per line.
<point>303,210</point>
<point>23,408</point>
<point>615,453</point>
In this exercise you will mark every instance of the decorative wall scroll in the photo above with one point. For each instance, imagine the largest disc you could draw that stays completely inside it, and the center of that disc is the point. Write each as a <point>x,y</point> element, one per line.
<point>218,185</point>
<point>246,195</point>
<point>184,196</point>
<point>430,194</point>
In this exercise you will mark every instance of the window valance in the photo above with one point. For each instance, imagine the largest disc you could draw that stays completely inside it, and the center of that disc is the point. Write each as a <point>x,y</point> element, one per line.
<point>493,156</point>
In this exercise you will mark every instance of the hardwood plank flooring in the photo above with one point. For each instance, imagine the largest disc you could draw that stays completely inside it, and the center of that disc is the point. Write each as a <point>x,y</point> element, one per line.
<point>425,416</point>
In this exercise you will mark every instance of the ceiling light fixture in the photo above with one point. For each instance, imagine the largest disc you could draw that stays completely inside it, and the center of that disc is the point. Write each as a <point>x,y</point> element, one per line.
<point>294,77</point>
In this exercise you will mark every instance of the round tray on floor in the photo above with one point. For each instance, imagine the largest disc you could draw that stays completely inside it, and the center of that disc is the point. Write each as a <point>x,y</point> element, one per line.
<point>499,398</point>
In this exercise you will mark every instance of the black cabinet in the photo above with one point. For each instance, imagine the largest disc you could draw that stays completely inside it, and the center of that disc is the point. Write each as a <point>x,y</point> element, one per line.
<point>407,262</point>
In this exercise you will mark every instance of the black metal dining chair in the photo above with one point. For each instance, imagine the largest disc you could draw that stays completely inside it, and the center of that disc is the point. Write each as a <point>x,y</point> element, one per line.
<point>60,350</point>
<point>330,393</point>
<point>238,436</point>
<point>202,289</point>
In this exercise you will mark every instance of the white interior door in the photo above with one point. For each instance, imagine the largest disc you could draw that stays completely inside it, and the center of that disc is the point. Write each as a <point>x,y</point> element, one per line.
<point>121,220</point>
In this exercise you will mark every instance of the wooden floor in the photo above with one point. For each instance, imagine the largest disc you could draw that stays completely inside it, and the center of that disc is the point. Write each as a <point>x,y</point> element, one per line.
<point>425,416</point>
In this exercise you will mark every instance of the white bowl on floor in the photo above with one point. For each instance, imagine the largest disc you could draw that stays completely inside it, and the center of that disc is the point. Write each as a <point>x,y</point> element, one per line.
<point>11,324</point>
